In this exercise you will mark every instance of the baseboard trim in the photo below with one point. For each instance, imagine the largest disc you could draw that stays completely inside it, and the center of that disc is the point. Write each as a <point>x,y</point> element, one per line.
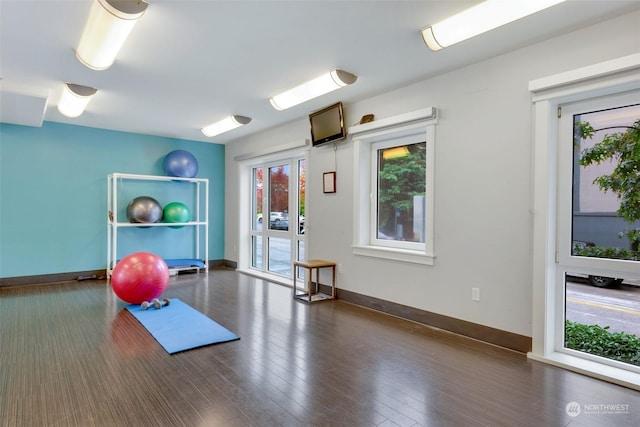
<point>505,339</point>
<point>43,279</point>
<point>230,264</point>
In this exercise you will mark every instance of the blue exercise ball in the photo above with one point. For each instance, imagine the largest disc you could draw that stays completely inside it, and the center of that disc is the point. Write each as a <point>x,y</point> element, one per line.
<point>144,209</point>
<point>180,163</point>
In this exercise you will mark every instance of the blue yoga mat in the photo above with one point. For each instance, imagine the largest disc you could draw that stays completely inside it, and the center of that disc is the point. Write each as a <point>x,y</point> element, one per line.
<point>178,327</point>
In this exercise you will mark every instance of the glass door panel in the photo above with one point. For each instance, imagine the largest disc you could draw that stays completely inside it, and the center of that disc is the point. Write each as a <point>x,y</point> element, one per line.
<point>300,230</point>
<point>256,202</point>
<point>280,256</point>
<point>256,252</point>
<point>302,178</point>
<point>279,197</point>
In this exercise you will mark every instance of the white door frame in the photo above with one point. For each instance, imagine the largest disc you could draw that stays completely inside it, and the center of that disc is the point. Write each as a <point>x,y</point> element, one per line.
<point>245,188</point>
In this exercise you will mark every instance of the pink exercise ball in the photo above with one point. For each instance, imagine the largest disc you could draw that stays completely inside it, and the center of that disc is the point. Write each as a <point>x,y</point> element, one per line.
<point>139,277</point>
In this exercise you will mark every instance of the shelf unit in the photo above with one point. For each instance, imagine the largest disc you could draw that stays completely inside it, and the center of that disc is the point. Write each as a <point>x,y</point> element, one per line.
<point>195,190</point>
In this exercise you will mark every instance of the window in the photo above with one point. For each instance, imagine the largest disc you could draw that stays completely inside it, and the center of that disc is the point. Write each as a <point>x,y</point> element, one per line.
<point>596,144</point>
<point>604,214</point>
<point>394,187</point>
<point>554,203</point>
<point>399,170</point>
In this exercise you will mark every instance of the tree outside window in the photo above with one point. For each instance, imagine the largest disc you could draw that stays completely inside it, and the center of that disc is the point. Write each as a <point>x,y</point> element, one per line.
<point>619,149</point>
<point>401,192</point>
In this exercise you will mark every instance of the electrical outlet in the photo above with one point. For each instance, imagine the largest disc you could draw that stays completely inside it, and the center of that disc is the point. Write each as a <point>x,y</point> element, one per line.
<point>475,294</point>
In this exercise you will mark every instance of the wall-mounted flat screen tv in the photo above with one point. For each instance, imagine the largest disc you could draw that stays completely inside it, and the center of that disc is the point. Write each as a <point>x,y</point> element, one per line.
<point>327,125</point>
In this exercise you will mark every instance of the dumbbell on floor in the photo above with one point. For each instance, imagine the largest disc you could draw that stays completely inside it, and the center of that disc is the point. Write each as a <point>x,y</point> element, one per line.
<point>156,303</point>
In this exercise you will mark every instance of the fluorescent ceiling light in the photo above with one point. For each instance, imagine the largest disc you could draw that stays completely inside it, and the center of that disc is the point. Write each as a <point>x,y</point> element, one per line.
<point>481,18</point>
<point>108,26</point>
<point>225,125</point>
<point>326,83</point>
<point>75,99</point>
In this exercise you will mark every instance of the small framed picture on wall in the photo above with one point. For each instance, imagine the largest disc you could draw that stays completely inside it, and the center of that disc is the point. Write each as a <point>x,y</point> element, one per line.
<point>329,182</point>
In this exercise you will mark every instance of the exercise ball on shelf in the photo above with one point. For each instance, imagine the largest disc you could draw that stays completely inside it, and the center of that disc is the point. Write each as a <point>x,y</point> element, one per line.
<point>176,212</point>
<point>180,163</point>
<point>144,209</point>
<point>139,277</point>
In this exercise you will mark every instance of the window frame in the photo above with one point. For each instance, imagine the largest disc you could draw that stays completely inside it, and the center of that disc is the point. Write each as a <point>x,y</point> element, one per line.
<point>418,126</point>
<point>611,77</point>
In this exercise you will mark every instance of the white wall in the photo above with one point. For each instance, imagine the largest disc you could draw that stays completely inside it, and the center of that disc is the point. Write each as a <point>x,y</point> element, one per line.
<point>483,182</point>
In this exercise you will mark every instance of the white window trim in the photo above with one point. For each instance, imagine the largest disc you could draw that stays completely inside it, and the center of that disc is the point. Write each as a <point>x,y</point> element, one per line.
<point>363,137</point>
<point>606,78</point>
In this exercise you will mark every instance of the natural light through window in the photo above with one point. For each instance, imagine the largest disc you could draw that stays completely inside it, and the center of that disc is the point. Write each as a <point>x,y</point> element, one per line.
<point>400,175</point>
<point>394,187</point>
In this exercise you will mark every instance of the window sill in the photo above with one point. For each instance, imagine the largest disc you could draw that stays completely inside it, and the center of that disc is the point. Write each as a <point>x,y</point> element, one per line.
<point>590,368</point>
<point>280,280</point>
<point>404,255</point>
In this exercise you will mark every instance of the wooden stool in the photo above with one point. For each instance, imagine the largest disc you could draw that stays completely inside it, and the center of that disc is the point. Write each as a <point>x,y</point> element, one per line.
<point>314,264</point>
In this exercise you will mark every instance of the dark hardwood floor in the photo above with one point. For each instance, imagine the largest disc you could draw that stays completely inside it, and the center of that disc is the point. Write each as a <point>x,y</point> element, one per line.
<point>70,355</point>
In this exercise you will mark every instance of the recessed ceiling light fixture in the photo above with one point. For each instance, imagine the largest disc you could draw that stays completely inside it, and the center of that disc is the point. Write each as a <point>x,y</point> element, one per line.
<point>481,18</point>
<point>108,26</point>
<point>75,99</point>
<point>225,125</point>
<point>326,83</point>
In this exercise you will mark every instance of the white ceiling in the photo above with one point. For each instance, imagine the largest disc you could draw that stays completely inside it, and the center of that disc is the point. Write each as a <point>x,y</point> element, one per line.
<point>187,63</point>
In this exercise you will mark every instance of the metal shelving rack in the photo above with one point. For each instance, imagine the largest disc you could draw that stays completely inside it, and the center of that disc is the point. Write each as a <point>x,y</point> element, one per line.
<point>200,222</point>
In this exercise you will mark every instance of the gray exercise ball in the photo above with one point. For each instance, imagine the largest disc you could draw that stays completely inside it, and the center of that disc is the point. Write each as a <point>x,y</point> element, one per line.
<point>144,209</point>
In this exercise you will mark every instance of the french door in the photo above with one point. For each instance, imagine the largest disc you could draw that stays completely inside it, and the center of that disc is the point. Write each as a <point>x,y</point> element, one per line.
<point>597,224</point>
<point>277,216</point>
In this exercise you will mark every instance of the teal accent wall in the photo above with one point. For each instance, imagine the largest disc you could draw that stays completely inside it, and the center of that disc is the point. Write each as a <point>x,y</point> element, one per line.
<point>53,193</point>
